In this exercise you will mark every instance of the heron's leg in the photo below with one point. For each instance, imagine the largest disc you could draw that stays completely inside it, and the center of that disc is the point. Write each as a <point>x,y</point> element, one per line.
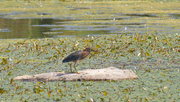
<point>75,67</point>
<point>70,67</point>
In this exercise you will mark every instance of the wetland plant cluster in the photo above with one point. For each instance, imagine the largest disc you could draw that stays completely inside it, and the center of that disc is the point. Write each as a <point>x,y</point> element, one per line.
<point>154,58</point>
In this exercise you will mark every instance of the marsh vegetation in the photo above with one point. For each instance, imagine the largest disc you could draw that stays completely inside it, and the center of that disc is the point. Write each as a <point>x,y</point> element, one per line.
<point>141,35</point>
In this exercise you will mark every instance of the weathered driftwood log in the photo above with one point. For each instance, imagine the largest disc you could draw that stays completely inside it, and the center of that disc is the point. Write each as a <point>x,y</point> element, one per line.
<point>110,73</point>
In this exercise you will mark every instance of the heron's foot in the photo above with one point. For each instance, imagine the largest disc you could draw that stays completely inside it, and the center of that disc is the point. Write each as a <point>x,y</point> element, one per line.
<point>75,72</point>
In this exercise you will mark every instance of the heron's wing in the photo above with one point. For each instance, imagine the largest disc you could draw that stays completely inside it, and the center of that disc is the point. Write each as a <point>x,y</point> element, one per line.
<point>73,57</point>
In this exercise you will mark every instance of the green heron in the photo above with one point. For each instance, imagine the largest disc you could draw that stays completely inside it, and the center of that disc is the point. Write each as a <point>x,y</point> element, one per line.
<point>76,56</point>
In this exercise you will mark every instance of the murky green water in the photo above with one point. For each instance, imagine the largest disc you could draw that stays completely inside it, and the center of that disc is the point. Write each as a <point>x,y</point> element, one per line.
<point>93,18</point>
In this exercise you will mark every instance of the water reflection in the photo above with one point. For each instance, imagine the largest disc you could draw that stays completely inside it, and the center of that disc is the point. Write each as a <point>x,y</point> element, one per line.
<point>22,28</point>
<point>40,28</point>
<point>49,27</point>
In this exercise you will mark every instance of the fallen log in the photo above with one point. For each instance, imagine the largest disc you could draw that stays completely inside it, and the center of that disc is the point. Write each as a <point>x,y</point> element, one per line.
<point>110,73</point>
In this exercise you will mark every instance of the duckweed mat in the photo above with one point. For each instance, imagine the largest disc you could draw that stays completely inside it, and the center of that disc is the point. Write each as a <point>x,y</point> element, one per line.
<point>154,58</point>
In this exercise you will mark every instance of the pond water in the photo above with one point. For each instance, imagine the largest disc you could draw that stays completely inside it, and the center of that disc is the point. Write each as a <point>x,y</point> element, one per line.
<point>102,19</point>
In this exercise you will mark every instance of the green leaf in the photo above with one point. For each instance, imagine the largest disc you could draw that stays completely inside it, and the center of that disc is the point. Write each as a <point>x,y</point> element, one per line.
<point>147,54</point>
<point>77,85</point>
<point>2,91</point>
<point>7,51</point>
<point>170,44</point>
<point>4,61</point>
<point>105,93</point>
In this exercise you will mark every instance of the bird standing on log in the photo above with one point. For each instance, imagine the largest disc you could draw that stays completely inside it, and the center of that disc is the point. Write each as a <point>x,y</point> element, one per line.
<point>76,56</point>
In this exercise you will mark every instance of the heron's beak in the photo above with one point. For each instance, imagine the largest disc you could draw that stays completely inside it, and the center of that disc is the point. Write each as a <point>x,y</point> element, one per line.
<point>94,50</point>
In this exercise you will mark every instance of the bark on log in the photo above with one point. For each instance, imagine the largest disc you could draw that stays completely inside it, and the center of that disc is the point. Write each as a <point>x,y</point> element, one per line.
<point>110,73</point>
